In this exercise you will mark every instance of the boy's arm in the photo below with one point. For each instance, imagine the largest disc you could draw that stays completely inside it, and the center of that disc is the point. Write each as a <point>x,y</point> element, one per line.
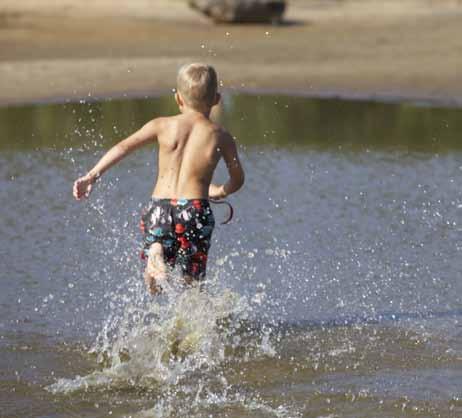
<point>83,185</point>
<point>235,170</point>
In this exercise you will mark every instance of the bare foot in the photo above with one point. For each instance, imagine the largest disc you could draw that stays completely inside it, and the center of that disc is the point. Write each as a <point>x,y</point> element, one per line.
<point>152,283</point>
<point>188,280</point>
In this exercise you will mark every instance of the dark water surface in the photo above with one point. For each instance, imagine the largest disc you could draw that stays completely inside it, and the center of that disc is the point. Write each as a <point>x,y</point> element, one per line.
<point>336,291</point>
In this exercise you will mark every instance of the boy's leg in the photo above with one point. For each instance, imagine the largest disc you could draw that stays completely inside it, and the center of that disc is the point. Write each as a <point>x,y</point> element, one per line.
<point>194,267</point>
<point>156,269</point>
<point>159,243</point>
<point>194,241</point>
<point>189,280</point>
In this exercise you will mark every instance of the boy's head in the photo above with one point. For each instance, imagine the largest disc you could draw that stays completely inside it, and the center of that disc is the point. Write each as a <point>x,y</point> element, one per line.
<point>197,86</point>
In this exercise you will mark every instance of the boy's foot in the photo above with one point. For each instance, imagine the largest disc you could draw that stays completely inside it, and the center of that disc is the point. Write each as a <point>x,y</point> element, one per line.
<point>152,283</point>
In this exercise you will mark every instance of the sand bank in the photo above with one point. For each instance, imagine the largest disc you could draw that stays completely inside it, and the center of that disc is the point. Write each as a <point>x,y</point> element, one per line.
<point>404,49</point>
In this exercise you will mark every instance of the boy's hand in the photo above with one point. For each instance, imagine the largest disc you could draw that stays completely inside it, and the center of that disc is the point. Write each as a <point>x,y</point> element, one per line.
<point>83,186</point>
<point>217,192</point>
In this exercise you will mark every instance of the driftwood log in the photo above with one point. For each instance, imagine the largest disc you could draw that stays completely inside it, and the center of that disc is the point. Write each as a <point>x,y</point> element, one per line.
<point>241,11</point>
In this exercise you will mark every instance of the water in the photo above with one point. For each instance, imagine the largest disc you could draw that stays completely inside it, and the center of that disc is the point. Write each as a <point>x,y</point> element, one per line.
<point>335,292</point>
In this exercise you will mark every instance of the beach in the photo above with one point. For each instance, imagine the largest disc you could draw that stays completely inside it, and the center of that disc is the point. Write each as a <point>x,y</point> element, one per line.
<point>358,49</point>
<point>334,292</point>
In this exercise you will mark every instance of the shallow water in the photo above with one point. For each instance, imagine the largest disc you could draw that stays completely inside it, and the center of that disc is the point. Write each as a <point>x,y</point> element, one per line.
<point>335,292</point>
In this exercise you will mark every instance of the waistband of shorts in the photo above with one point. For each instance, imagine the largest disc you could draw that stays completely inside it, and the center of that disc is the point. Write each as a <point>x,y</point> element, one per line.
<point>179,201</point>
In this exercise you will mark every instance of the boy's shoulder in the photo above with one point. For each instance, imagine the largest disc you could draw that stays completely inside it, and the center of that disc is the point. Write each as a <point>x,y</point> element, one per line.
<point>209,127</point>
<point>162,121</point>
<point>222,133</point>
<point>205,126</point>
<point>218,132</point>
<point>161,124</point>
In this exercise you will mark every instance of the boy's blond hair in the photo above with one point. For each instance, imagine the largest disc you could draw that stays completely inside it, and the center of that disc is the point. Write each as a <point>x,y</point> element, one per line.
<point>197,84</point>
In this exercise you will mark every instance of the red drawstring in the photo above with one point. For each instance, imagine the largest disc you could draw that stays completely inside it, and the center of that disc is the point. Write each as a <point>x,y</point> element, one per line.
<point>231,210</point>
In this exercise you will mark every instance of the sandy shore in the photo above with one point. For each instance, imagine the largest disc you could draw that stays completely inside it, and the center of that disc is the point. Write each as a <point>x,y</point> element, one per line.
<point>359,48</point>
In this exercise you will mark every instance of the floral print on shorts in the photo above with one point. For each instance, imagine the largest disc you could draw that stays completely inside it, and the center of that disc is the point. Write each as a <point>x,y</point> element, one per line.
<point>184,228</point>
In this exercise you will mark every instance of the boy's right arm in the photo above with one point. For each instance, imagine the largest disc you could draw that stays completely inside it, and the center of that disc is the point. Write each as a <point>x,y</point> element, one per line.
<point>235,170</point>
<point>149,132</point>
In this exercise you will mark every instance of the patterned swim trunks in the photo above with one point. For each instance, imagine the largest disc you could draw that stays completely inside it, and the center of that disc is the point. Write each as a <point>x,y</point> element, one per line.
<point>184,228</point>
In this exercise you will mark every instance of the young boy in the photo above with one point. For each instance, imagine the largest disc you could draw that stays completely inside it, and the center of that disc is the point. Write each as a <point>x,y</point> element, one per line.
<point>178,221</point>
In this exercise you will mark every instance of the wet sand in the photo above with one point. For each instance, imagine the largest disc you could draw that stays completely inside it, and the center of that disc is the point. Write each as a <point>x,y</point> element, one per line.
<point>388,49</point>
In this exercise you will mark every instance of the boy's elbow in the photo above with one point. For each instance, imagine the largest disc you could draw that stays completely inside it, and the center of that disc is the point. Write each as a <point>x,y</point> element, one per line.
<point>236,181</point>
<point>240,180</point>
<point>121,148</point>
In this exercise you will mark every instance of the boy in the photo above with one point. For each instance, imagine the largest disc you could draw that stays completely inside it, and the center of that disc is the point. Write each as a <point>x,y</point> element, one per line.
<point>178,221</point>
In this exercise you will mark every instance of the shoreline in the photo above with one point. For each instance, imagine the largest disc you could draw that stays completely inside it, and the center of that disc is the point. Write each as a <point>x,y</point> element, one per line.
<point>382,97</point>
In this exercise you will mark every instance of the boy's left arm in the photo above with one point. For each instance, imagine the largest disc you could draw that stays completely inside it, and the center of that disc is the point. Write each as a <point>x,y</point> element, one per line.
<point>83,185</point>
<point>235,170</point>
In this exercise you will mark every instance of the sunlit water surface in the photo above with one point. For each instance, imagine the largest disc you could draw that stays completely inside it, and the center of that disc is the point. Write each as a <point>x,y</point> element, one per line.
<point>335,292</point>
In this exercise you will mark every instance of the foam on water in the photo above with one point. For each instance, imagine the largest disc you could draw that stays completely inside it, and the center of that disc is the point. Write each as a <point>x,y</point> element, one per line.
<point>160,340</point>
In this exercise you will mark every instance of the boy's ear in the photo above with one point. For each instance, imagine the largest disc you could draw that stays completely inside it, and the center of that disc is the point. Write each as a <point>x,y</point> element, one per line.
<point>178,99</point>
<point>217,99</point>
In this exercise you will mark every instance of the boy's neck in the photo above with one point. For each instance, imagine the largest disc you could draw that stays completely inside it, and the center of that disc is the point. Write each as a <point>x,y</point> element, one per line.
<point>191,111</point>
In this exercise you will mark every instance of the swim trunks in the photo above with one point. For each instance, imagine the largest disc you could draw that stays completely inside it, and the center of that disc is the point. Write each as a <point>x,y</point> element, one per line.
<point>184,228</point>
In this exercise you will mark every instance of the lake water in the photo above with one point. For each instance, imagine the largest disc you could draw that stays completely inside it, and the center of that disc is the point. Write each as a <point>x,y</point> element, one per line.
<point>335,292</point>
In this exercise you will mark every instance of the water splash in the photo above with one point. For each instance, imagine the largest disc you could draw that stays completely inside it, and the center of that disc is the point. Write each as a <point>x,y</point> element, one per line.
<point>175,348</point>
<point>159,341</point>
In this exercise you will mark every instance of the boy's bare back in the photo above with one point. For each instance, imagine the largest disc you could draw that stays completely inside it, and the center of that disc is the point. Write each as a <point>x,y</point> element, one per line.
<point>190,147</point>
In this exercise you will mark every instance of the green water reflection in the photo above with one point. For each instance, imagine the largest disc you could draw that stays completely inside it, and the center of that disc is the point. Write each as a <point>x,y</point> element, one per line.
<point>257,120</point>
